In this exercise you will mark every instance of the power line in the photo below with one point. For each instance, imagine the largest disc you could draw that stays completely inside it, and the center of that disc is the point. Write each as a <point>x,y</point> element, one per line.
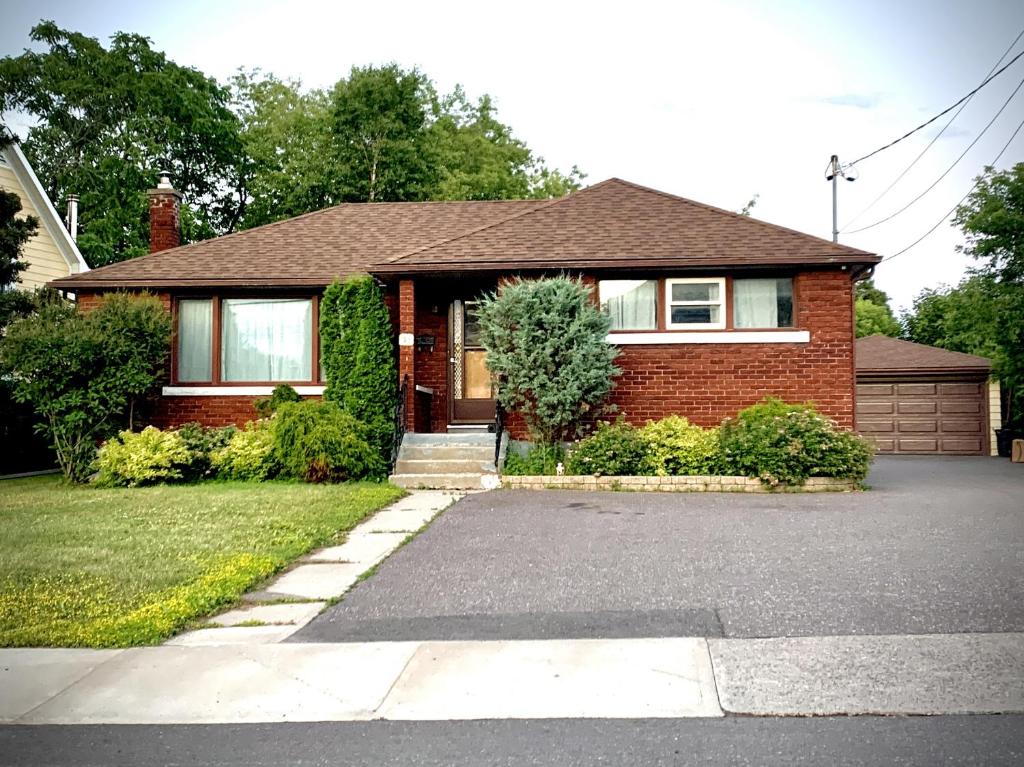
<point>961,202</point>
<point>945,111</point>
<point>946,172</point>
<point>936,137</point>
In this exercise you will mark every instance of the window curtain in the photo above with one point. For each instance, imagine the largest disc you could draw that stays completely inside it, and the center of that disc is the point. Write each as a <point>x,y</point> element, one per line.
<point>267,339</point>
<point>195,336</point>
<point>631,304</point>
<point>762,303</point>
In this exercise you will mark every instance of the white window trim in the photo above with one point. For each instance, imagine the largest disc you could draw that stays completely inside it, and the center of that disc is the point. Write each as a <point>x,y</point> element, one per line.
<point>720,303</point>
<point>234,391</point>
<point>724,337</point>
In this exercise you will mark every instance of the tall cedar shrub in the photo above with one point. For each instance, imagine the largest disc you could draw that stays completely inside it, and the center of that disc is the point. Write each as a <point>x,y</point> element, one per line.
<point>359,355</point>
<point>545,342</point>
<point>86,373</point>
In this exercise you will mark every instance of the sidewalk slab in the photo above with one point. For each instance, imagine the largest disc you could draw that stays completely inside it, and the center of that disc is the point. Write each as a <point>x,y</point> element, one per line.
<point>635,678</point>
<point>232,635</point>
<point>393,520</point>
<point>299,613</point>
<point>366,549</point>
<point>320,581</point>
<point>263,683</point>
<point>29,677</point>
<point>921,674</point>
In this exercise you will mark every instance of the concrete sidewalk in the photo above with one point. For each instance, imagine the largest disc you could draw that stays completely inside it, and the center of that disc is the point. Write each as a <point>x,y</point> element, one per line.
<point>617,678</point>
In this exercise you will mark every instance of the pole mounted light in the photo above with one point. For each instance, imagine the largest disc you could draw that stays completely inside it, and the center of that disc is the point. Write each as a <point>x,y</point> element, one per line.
<point>833,172</point>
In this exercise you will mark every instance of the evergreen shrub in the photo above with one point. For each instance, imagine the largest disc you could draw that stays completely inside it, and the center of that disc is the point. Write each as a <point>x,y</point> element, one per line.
<point>320,442</point>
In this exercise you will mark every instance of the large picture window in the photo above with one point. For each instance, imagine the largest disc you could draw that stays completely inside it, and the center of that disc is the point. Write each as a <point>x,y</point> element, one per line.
<point>266,339</point>
<point>245,340</point>
<point>762,303</point>
<point>696,303</point>
<point>631,304</point>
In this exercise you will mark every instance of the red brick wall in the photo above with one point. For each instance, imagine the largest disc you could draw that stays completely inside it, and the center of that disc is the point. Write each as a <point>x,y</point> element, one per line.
<point>707,382</point>
<point>704,382</point>
<point>209,411</point>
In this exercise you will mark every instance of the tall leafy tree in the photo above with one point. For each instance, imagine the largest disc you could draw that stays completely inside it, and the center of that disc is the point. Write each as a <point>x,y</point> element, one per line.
<point>992,219</point>
<point>380,121</point>
<point>108,119</point>
<point>873,313</point>
<point>15,231</point>
<point>963,318</point>
<point>287,142</point>
<point>478,157</point>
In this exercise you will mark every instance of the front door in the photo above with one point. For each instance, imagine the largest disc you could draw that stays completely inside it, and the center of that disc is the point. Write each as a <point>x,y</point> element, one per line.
<point>472,395</point>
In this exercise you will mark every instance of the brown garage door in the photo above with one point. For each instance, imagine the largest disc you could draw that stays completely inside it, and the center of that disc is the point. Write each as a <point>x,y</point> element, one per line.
<point>924,417</point>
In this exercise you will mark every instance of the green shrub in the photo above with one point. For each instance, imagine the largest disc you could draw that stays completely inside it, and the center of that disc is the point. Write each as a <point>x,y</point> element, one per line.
<point>249,453</point>
<point>132,459</point>
<point>676,447</point>
<point>547,348</point>
<point>778,442</point>
<point>539,460</point>
<point>87,373</point>
<point>282,393</point>
<point>612,450</point>
<point>202,442</point>
<point>320,442</point>
<point>358,353</point>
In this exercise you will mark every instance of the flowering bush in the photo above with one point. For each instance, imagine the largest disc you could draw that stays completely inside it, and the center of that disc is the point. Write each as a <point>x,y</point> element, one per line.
<point>676,447</point>
<point>249,454</point>
<point>789,443</point>
<point>142,458</point>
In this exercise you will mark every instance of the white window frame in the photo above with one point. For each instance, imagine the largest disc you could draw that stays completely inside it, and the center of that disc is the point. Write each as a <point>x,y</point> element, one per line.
<point>720,303</point>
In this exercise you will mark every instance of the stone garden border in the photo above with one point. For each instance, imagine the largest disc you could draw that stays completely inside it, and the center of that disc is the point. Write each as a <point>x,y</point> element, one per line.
<point>697,484</point>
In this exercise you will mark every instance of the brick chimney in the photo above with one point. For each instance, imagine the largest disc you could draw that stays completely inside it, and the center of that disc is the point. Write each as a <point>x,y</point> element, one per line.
<point>164,220</point>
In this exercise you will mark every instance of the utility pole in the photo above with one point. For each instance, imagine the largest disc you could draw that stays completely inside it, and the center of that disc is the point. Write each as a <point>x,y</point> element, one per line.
<point>832,173</point>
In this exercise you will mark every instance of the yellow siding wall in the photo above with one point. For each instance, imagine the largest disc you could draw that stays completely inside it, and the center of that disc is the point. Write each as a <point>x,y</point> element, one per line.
<point>995,415</point>
<point>45,262</point>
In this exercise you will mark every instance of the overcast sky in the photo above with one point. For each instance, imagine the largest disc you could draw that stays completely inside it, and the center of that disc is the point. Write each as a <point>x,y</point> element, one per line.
<point>715,101</point>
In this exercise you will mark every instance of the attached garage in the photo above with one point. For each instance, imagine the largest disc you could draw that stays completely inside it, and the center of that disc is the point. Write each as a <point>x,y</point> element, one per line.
<point>922,400</point>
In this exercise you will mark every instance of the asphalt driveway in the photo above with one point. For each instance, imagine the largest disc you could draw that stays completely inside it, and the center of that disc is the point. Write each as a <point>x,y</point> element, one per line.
<point>936,546</point>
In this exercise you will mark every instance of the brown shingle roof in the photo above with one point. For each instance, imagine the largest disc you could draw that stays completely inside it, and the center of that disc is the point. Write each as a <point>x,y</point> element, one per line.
<point>614,224</point>
<point>311,249</point>
<point>620,224</point>
<point>881,354</point>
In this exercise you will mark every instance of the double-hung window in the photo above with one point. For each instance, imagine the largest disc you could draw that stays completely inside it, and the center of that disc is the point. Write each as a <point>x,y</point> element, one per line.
<point>261,340</point>
<point>695,303</point>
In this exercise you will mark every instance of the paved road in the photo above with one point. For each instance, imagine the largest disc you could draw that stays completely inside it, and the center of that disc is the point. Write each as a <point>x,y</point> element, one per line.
<point>924,741</point>
<point>936,546</point>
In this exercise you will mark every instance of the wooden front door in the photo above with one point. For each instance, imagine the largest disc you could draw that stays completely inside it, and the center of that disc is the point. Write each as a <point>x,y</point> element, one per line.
<point>469,380</point>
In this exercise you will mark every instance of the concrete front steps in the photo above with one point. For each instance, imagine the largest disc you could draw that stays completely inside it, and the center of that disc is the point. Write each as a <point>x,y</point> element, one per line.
<point>458,461</point>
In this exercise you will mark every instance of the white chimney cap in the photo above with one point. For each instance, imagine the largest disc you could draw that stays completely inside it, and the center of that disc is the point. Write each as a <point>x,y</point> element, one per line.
<point>165,181</point>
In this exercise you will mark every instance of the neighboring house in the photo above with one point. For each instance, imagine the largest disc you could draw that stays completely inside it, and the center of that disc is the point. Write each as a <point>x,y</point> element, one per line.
<point>51,253</point>
<point>918,399</point>
<point>712,310</point>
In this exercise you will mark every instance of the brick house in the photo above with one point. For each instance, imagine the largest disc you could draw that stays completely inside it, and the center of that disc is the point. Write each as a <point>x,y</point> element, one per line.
<point>712,310</point>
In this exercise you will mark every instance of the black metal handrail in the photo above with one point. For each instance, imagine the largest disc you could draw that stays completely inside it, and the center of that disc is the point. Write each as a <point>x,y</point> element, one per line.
<point>499,429</point>
<point>396,438</point>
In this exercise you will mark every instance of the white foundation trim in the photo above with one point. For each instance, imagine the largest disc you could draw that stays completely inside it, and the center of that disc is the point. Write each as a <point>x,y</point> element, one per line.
<point>724,337</point>
<point>236,391</point>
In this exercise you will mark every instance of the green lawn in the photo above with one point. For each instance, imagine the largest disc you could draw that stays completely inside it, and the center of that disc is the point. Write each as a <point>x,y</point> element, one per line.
<point>83,567</point>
